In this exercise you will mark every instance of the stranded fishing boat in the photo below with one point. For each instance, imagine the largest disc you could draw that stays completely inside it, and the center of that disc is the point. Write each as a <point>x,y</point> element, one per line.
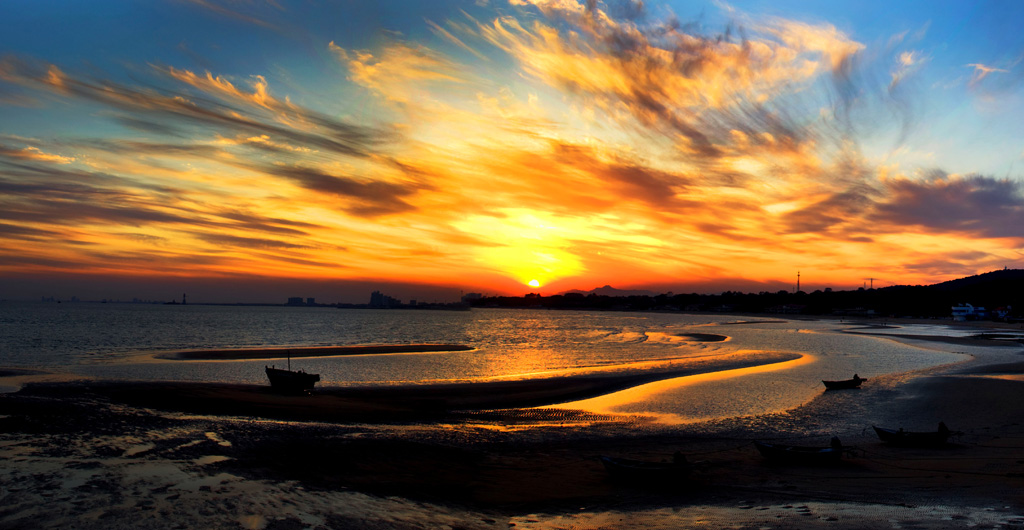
<point>916,439</point>
<point>795,454</point>
<point>845,383</point>
<point>627,469</point>
<point>289,381</point>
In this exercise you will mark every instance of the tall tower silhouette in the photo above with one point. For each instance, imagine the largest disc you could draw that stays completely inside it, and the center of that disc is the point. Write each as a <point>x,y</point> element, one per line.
<point>798,281</point>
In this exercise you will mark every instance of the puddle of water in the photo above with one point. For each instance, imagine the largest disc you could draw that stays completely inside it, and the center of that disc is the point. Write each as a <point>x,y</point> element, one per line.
<point>253,522</point>
<point>210,459</point>
<point>214,437</point>
<point>1003,377</point>
<point>137,449</point>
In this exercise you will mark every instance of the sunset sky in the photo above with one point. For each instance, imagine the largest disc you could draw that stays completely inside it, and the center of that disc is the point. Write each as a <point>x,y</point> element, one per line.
<point>231,147</point>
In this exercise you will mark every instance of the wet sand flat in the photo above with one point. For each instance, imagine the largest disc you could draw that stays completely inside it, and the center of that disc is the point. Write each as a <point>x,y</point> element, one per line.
<point>965,341</point>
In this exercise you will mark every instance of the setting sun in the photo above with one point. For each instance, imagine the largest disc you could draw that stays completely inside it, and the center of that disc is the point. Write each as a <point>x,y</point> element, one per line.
<point>533,283</point>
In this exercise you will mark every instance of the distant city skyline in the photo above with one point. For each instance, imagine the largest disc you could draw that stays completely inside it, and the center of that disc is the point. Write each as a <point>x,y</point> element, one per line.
<point>351,293</point>
<point>255,151</point>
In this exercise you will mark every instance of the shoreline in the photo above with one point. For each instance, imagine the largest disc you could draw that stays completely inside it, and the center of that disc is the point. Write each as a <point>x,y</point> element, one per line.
<point>982,338</point>
<point>889,322</point>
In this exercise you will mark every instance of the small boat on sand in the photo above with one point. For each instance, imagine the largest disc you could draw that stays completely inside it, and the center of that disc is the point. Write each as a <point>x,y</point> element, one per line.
<point>845,383</point>
<point>627,469</point>
<point>901,438</point>
<point>796,454</point>
<point>288,381</point>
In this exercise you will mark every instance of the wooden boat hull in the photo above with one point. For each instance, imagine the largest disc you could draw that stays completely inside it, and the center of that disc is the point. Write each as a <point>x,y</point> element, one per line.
<point>626,469</point>
<point>914,439</point>
<point>289,381</point>
<point>800,455</point>
<point>844,384</point>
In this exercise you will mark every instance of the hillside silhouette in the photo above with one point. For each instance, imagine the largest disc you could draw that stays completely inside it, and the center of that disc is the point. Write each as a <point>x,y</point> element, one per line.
<point>992,290</point>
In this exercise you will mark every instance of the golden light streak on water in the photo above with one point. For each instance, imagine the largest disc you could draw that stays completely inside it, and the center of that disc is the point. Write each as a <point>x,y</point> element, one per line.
<point>611,403</point>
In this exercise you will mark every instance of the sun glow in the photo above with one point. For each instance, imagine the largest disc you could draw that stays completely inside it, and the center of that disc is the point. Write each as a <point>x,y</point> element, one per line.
<point>527,246</point>
<point>533,283</point>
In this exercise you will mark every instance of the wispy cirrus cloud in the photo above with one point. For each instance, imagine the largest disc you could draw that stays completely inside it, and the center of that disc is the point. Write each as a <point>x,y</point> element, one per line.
<point>16,232</point>
<point>218,7</point>
<point>336,136</point>
<point>447,35</point>
<point>224,240</point>
<point>369,197</point>
<point>982,71</point>
<point>34,153</point>
<point>669,81</point>
<point>907,63</point>
<point>400,71</point>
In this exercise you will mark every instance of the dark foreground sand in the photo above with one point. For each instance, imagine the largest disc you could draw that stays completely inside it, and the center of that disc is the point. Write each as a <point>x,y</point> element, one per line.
<point>119,455</point>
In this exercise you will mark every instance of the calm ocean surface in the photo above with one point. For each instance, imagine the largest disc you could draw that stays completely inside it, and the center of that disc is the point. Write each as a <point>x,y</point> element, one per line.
<point>118,340</point>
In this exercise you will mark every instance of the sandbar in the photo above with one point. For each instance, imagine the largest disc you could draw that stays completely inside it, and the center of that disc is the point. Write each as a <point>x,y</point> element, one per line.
<point>706,337</point>
<point>243,354</point>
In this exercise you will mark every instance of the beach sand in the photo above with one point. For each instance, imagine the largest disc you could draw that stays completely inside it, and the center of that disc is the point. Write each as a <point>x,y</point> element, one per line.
<point>184,455</point>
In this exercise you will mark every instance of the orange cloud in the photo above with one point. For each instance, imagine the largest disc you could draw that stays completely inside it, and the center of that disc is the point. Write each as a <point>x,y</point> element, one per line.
<point>399,71</point>
<point>219,85</point>
<point>34,153</point>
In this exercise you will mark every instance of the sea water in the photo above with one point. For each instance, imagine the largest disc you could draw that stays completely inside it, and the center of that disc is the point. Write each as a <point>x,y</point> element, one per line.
<point>118,341</point>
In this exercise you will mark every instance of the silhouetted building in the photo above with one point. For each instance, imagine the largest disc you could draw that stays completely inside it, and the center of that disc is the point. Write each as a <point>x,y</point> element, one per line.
<point>295,300</point>
<point>311,301</point>
<point>1002,313</point>
<point>787,309</point>
<point>381,300</point>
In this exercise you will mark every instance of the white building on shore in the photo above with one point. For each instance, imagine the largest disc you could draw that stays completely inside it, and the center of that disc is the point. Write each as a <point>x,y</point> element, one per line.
<point>965,312</point>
